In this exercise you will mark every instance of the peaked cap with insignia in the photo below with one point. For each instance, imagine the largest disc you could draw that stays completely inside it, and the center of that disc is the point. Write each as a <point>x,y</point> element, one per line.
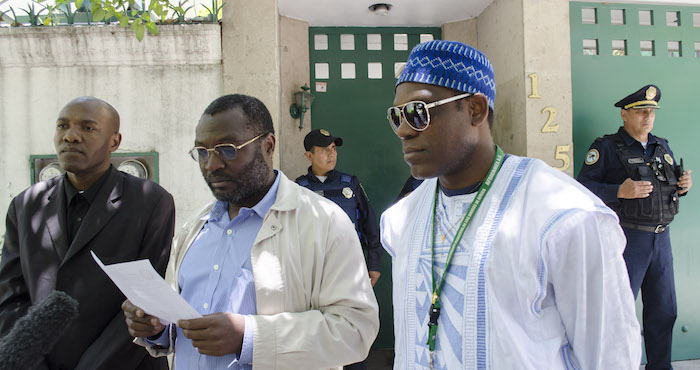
<point>646,97</point>
<point>322,138</point>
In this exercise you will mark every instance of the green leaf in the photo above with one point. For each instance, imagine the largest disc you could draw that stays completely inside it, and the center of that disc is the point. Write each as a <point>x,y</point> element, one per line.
<point>78,4</point>
<point>152,28</point>
<point>98,15</point>
<point>140,29</point>
<point>47,21</point>
<point>124,21</point>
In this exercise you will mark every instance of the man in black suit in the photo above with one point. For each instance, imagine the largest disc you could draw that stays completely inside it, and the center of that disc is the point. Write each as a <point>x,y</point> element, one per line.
<point>53,225</point>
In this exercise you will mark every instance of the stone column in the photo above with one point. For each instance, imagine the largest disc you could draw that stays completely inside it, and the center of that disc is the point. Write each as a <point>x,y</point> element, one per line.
<point>528,42</point>
<point>250,53</point>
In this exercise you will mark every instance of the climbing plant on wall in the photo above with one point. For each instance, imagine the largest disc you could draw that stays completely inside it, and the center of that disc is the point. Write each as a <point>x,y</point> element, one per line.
<point>139,16</point>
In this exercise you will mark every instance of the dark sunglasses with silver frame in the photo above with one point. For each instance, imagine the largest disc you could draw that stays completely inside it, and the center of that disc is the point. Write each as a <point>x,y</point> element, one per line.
<point>226,152</point>
<point>416,112</point>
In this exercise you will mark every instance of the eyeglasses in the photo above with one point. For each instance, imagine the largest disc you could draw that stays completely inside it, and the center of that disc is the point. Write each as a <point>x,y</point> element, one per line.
<point>226,152</point>
<point>416,112</point>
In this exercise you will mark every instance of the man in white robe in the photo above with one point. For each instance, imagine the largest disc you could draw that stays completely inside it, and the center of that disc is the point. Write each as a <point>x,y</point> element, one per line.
<point>537,280</point>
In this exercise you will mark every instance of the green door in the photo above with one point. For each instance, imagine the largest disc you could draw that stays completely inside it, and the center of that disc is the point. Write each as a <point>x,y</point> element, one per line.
<point>352,78</point>
<point>615,50</point>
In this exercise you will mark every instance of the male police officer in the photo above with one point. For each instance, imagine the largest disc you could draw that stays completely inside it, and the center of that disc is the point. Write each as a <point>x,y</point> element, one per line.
<point>343,189</point>
<point>635,174</point>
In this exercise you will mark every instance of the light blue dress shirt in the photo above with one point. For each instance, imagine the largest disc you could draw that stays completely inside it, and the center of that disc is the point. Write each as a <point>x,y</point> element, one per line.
<point>216,276</point>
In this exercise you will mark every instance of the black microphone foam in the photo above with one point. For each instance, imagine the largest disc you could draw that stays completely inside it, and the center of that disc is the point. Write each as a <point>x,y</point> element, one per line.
<point>36,333</point>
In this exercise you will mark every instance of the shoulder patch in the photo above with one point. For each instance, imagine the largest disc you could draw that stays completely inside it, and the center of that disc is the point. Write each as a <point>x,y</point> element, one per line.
<point>592,156</point>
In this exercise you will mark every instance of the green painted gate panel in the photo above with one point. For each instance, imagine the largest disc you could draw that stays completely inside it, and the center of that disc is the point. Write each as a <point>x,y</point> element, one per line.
<point>355,109</point>
<point>598,81</point>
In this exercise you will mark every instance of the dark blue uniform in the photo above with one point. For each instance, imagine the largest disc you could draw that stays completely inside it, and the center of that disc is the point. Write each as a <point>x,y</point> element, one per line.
<point>345,190</point>
<point>645,224</point>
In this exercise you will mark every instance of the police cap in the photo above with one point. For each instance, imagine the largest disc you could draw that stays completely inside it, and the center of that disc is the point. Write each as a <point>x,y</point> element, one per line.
<point>322,138</point>
<point>646,97</point>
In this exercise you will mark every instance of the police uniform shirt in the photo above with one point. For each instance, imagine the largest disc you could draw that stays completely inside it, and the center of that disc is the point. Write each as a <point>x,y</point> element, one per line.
<point>603,172</point>
<point>365,221</point>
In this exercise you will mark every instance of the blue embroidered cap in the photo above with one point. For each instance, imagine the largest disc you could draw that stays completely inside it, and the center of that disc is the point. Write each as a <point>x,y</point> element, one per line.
<point>450,64</point>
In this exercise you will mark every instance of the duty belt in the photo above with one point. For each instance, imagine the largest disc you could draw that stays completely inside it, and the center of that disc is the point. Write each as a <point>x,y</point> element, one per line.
<point>658,229</point>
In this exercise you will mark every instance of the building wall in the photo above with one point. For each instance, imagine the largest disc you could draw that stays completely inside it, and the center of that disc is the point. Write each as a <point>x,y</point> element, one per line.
<point>465,31</point>
<point>294,73</point>
<point>160,86</point>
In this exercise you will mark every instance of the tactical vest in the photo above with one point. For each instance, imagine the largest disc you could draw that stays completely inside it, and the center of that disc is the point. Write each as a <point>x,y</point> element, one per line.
<point>340,191</point>
<point>662,204</point>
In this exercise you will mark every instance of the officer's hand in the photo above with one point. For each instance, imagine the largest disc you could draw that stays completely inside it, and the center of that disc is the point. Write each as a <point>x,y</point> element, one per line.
<point>140,324</point>
<point>374,276</point>
<point>685,182</point>
<point>217,334</point>
<point>631,189</point>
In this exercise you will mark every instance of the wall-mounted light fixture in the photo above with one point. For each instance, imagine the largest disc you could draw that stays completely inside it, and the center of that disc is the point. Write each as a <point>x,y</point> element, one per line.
<point>302,103</point>
<point>380,8</point>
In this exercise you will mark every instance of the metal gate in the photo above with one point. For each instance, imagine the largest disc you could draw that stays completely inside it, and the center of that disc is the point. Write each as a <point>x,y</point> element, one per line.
<point>615,50</point>
<point>353,72</point>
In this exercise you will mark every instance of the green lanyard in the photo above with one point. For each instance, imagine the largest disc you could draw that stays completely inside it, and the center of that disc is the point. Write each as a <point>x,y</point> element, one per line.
<point>437,286</point>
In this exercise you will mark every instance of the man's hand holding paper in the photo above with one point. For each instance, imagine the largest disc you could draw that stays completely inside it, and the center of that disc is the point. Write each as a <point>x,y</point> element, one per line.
<point>147,292</point>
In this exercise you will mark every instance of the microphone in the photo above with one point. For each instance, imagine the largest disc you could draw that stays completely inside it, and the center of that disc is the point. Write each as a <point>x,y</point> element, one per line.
<point>36,333</point>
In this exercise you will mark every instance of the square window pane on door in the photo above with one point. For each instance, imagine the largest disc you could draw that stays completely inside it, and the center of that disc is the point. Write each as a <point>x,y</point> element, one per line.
<point>696,19</point>
<point>320,42</point>
<point>673,19</point>
<point>617,16</point>
<point>697,49</point>
<point>674,48</point>
<point>374,41</point>
<point>374,70</point>
<point>400,41</point>
<point>645,18</point>
<point>588,16</point>
<point>347,42</point>
<point>646,47</point>
<point>347,71</point>
<point>425,37</point>
<point>398,68</point>
<point>590,47</point>
<point>321,71</point>
<point>619,47</point>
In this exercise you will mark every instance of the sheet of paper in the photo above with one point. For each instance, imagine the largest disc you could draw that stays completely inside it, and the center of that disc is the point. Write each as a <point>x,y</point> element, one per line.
<point>142,285</point>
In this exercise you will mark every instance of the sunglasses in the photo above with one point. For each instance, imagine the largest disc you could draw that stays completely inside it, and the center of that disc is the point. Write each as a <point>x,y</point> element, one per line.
<point>416,113</point>
<point>226,152</point>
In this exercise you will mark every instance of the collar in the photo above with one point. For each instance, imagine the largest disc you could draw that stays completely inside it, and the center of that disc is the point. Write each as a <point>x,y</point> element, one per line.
<point>629,140</point>
<point>90,193</point>
<point>469,189</point>
<point>260,208</point>
<point>331,175</point>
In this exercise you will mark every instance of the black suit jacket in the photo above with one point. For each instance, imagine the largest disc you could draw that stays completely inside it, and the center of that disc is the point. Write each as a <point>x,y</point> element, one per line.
<point>130,219</point>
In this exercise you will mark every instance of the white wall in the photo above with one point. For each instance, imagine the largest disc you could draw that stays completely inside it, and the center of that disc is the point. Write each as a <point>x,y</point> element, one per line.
<point>159,86</point>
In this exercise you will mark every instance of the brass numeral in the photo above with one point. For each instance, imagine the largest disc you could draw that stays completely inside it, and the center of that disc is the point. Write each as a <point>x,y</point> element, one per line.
<point>550,126</point>
<point>534,92</point>
<point>560,152</point>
